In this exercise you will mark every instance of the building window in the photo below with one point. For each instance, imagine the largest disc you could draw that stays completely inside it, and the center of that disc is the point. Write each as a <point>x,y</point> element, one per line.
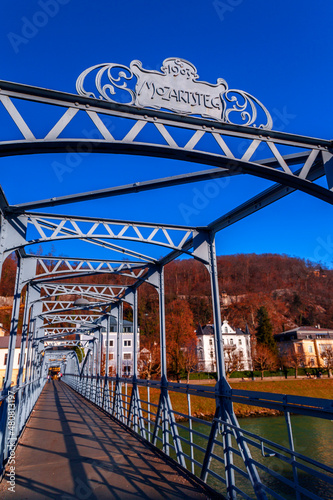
<point>312,362</point>
<point>299,348</point>
<point>113,329</point>
<point>310,348</point>
<point>240,341</point>
<point>111,356</point>
<point>211,353</point>
<point>127,355</point>
<point>127,329</point>
<point>127,343</point>
<point>231,341</point>
<point>5,361</point>
<point>210,341</point>
<point>110,343</point>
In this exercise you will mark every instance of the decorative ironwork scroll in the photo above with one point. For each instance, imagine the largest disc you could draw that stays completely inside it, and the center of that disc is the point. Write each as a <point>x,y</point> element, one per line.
<point>176,88</point>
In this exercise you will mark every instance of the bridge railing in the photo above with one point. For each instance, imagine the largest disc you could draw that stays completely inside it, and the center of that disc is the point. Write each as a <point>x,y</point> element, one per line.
<point>162,414</point>
<point>17,406</point>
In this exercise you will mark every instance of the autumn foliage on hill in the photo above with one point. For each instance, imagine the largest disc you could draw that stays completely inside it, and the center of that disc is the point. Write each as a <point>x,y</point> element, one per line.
<point>294,292</point>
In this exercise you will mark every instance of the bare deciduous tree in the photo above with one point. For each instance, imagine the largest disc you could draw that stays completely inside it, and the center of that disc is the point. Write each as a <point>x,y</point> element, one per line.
<point>233,361</point>
<point>293,359</point>
<point>190,357</point>
<point>149,361</point>
<point>327,356</point>
<point>264,359</point>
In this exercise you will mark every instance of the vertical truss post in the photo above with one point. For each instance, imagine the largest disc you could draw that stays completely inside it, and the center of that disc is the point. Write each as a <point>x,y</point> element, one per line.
<point>164,379</point>
<point>84,372</point>
<point>20,395</point>
<point>220,366</point>
<point>26,347</point>
<point>94,370</point>
<point>25,326</point>
<point>135,408</point>
<point>37,347</point>
<point>120,342</point>
<point>207,245</point>
<point>98,367</point>
<point>106,399</point>
<point>292,448</point>
<point>31,359</point>
<point>135,333</point>
<point>35,324</point>
<point>21,274</point>
<point>29,345</point>
<point>190,431</point>
<point>133,405</point>
<point>119,338</point>
<point>87,371</point>
<point>117,402</point>
<point>204,246</point>
<point>168,417</point>
<point>137,413</point>
<point>91,370</point>
<point>92,373</point>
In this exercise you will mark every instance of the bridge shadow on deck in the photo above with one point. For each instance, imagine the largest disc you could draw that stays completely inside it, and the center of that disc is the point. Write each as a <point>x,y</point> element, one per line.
<point>71,450</point>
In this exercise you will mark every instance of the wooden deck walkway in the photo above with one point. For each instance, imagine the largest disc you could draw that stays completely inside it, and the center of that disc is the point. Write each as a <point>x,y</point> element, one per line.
<point>71,450</point>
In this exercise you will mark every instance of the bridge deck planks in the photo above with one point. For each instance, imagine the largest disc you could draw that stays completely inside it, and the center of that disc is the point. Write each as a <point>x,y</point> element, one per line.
<point>71,450</point>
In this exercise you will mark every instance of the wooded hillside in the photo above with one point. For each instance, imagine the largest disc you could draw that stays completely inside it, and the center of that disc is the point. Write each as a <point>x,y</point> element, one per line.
<point>294,291</point>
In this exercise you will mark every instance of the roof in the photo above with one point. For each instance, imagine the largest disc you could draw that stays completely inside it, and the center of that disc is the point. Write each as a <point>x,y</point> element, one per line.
<point>113,322</point>
<point>205,330</point>
<point>209,330</point>
<point>4,341</point>
<point>305,332</point>
<point>309,329</point>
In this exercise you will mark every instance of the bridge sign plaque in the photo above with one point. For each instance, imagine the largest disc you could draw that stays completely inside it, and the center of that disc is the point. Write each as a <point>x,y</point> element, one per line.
<point>175,88</point>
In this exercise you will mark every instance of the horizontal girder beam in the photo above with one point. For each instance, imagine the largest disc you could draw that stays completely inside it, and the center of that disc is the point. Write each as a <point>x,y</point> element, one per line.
<point>137,187</point>
<point>63,99</point>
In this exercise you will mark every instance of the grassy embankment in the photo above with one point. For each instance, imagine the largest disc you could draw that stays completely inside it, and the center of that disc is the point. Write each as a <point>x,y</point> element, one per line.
<point>204,407</point>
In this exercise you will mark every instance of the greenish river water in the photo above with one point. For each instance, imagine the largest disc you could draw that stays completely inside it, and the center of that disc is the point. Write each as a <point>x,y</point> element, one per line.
<point>312,437</point>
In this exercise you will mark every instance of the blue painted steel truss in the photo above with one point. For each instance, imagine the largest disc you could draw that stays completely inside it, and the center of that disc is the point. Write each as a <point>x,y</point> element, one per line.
<point>236,459</point>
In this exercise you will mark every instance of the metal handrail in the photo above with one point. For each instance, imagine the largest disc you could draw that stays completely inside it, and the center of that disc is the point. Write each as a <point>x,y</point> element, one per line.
<point>119,407</point>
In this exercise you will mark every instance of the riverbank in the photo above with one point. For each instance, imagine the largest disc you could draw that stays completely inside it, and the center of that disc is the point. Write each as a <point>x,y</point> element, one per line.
<point>204,407</point>
<point>313,388</point>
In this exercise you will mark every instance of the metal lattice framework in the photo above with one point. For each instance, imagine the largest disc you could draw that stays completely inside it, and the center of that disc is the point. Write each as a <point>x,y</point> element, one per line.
<point>154,128</point>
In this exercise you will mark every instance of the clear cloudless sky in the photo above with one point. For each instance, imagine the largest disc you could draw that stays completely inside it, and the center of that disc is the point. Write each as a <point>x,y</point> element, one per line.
<point>279,51</point>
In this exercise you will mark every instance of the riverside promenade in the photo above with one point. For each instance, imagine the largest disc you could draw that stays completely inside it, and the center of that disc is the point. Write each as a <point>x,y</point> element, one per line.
<point>72,450</point>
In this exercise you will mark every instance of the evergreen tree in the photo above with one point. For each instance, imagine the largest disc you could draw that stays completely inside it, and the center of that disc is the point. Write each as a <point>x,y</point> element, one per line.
<point>264,330</point>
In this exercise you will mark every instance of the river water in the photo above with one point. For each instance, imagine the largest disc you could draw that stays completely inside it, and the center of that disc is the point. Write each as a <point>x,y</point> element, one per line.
<point>313,437</point>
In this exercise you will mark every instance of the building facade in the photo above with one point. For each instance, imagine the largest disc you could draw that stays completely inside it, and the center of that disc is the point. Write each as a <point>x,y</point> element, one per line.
<point>4,341</point>
<point>313,345</point>
<point>236,346</point>
<point>126,348</point>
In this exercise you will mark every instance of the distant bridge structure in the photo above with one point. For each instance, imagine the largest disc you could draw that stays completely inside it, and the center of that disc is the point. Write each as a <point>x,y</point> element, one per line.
<point>160,110</point>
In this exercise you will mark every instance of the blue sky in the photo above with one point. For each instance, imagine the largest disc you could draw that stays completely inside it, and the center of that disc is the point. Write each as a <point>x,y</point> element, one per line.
<point>278,51</point>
